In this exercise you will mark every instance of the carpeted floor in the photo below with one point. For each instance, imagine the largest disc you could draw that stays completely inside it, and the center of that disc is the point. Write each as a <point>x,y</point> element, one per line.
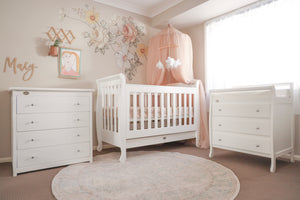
<point>253,173</point>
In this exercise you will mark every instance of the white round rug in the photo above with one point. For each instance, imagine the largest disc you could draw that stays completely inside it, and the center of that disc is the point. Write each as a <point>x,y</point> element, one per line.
<point>146,175</point>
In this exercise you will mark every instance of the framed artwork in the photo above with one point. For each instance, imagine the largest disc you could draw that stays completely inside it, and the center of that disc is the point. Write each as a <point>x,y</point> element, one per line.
<point>69,64</point>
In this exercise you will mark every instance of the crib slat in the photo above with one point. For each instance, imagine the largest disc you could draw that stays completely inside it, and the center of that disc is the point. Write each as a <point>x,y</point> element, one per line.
<point>179,107</point>
<point>115,107</point>
<point>102,107</point>
<point>162,110</point>
<point>190,109</point>
<point>142,110</point>
<point>185,110</point>
<point>105,107</point>
<point>155,110</point>
<point>168,109</point>
<point>110,108</point>
<point>134,112</point>
<point>174,108</point>
<point>149,110</point>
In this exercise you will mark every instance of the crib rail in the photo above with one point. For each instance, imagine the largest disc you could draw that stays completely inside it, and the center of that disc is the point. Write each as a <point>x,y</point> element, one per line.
<point>153,109</point>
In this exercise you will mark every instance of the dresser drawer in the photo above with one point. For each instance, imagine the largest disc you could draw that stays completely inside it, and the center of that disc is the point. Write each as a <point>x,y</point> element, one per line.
<point>52,103</point>
<point>262,96</point>
<point>242,125</point>
<point>242,142</point>
<point>33,139</point>
<point>48,155</point>
<point>241,109</point>
<point>30,122</point>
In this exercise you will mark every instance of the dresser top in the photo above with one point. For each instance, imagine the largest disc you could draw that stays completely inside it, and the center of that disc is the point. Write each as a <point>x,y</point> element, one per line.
<point>50,89</point>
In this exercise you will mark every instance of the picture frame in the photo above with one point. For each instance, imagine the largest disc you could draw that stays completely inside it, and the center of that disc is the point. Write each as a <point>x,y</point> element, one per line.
<point>69,62</point>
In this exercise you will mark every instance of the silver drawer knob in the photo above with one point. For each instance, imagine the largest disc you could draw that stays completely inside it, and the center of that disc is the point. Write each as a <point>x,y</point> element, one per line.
<point>78,119</point>
<point>257,128</point>
<point>257,110</point>
<point>26,93</point>
<point>220,110</point>
<point>219,124</point>
<point>77,104</point>
<point>217,100</point>
<point>32,140</point>
<point>164,138</point>
<point>32,157</point>
<point>32,122</point>
<point>220,140</point>
<point>78,150</point>
<point>78,135</point>
<point>257,145</point>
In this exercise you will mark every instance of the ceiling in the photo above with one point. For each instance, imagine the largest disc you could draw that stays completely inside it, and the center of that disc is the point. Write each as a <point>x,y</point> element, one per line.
<point>180,13</point>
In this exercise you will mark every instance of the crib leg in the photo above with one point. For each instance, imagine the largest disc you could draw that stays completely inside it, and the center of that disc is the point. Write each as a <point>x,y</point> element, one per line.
<point>99,147</point>
<point>123,155</point>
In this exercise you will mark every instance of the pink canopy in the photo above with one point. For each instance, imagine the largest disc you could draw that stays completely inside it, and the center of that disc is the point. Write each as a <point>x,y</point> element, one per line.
<point>173,43</point>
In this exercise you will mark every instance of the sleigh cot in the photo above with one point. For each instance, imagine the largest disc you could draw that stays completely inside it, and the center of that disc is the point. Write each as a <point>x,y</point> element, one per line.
<point>134,115</point>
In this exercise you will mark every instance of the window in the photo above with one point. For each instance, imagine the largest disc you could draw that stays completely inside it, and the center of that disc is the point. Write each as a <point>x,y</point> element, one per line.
<point>259,44</point>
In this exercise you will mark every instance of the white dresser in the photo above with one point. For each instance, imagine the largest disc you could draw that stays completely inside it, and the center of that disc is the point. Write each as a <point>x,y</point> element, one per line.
<point>50,127</point>
<point>254,120</point>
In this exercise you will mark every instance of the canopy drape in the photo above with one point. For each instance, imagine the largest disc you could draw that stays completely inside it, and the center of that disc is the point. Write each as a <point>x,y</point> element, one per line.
<point>172,43</point>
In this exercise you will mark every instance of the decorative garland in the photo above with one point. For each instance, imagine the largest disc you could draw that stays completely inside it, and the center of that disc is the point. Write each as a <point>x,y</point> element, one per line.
<point>121,35</point>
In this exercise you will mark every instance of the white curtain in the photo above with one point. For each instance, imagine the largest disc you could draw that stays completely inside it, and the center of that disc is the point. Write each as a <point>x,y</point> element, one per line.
<point>259,44</point>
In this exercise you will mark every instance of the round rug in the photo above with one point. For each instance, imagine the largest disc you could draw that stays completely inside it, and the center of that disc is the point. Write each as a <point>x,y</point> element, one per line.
<point>146,175</point>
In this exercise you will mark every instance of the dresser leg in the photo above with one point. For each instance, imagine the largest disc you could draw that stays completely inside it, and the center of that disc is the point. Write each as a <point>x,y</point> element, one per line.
<point>292,157</point>
<point>273,164</point>
<point>211,152</point>
<point>123,155</point>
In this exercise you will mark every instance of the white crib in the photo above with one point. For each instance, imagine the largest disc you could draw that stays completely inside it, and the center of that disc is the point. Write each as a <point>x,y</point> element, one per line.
<point>132,115</point>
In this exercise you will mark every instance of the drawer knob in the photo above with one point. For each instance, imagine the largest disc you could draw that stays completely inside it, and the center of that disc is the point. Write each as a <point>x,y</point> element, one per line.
<point>78,150</point>
<point>78,119</point>
<point>219,139</point>
<point>220,109</point>
<point>257,128</point>
<point>217,100</point>
<point>78,135</point>
<point>257,145</point>
<point>26,93</point>
<point>32,157</point>
<point>164,138</point>
<point>32,140</point>
<point>257,110</point>
<point>219,124</point>
<point>32,122</point>
<point>77,104</point>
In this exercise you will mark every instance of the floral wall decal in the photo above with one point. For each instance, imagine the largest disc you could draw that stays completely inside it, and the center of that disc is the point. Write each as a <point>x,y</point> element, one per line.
<point>122,35</point>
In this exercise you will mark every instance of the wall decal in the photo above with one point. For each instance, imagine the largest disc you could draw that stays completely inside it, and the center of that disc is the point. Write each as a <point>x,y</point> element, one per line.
<point>61,34</point>
<point>69,63</point>
<point>28,69</point>
<point>122,35</point>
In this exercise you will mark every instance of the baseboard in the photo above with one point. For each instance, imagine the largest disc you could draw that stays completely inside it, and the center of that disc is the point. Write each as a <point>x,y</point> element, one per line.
<point>296,157</point>
<point>5,159</point>
<point>105,146</point>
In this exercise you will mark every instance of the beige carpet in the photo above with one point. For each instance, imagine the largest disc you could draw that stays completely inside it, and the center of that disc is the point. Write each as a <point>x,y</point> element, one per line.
<point>147,175</point>
<point>256,181</point>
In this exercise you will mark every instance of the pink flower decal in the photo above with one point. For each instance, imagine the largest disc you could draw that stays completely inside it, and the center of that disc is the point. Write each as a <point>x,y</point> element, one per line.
<point>129,32</point>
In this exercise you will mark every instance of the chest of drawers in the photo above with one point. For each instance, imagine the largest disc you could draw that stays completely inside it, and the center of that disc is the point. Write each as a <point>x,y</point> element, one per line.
<point>254,120</point>
<point>50,127</point>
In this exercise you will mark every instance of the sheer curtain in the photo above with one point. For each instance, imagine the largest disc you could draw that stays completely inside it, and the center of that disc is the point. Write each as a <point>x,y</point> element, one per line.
<point>259,44</point>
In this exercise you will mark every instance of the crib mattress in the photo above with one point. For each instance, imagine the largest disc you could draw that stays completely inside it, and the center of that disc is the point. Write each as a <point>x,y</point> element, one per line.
<point>184,110</point>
